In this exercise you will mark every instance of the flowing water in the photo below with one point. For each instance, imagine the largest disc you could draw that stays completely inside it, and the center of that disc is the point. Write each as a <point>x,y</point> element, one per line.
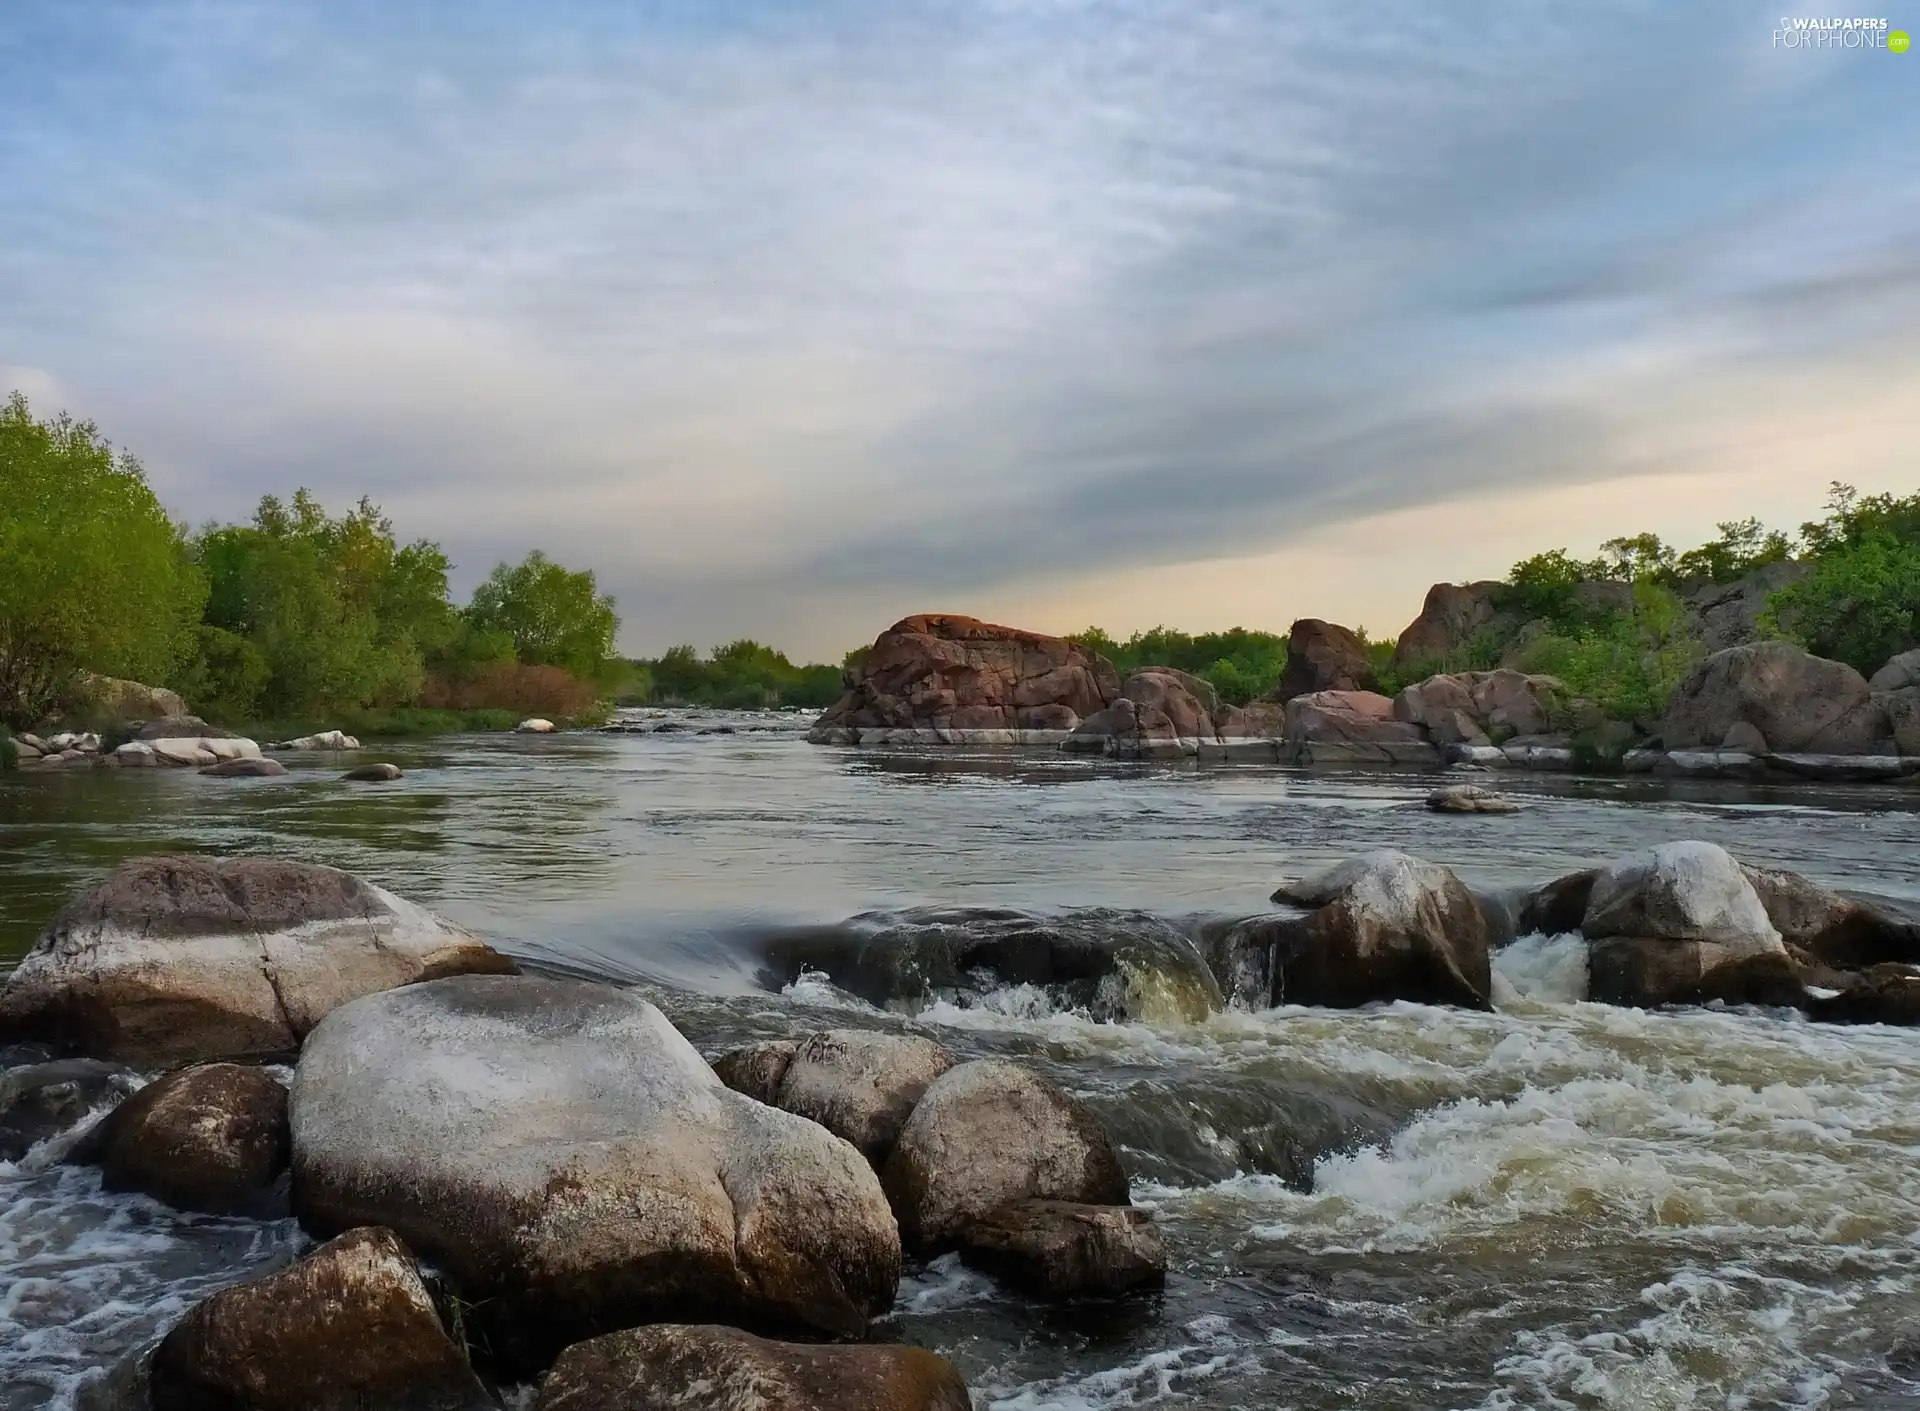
<point>1557,1204</point>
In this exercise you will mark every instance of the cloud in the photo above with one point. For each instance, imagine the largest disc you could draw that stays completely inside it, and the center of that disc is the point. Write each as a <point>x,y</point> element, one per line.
<point>788,321</point>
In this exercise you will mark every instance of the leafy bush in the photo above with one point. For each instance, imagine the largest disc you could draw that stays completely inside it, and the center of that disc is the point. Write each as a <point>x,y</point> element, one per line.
<point>553,616</point>
<point>1629,664</point>
<point>1240,663</point>
<point>1861,602</point>
<point>742,675</point>
<point>92,572</point>
<point>514,686</point>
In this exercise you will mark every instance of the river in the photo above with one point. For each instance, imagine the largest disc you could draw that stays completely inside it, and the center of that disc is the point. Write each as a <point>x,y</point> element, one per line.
<point>1557,1204</point>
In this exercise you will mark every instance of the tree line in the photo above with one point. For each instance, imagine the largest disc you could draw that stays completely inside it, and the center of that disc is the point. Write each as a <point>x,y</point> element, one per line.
<point>293,615</point>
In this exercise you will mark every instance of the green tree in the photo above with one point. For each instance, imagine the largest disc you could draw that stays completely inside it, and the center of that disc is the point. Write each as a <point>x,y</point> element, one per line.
<point>93,575</point>
<point>1240,663</point>
<point>1743,546</point>
<point>555,617</point>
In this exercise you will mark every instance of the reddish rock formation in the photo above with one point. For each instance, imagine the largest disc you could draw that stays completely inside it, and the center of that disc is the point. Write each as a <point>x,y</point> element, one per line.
<point>1331,727</point>
<point>1452,616</point>
<point>951,677</point>
<point>1323,656</point>
<point>1796,702</point>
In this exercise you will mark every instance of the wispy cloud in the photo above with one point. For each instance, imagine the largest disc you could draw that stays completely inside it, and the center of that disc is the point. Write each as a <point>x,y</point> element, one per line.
<point>792,319</point>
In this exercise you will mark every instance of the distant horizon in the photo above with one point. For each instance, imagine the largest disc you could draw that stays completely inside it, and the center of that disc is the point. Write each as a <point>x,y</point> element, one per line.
<point>791,321</point>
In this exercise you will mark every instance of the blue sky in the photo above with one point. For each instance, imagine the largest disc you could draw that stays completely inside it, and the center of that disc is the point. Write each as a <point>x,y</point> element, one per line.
<point>791,319</point>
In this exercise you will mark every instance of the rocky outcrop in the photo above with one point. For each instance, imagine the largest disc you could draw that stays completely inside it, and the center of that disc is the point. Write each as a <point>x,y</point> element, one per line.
<point>41,1099</point>
<point>705,1368</point>
<point>110,697</point>
<point>1161,713</point>
<point>1823,927</point>
<point>349,1328</point>
<point>987,1133</point>
<point>1352,727</point>
<point>1059,1249</point>
<point>1323,656</point>
<point>177,959</point>
<point>1682,924</point>
<point>859,1085</point>
<point>1795,702</point>
<point>1900,672</point>
<point>1112,965</point>
<point>210,1138</point>
<point>948,679</point>
<point>1454,620</point>
<point>1722,615</point>
<point>571,1163</point>
<point>1469,798</point>
<point>1485,707</point>
<point>1384,926</point>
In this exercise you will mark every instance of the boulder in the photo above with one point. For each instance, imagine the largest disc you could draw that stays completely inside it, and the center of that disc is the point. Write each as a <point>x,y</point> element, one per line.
<point>1485,707</point>
<point>1323,656</point>
<point>182,727</point>
<point>1901,671</point>
<point>1882,994</point>
<point>325,740</point>
<point>175,959</point>
<point>249,768</point>
<point>1722,615</point>
<point>986,1133</point>
<point>756,1069</point>
<point>696,1368</point>
<point>118,699</point>
<point>1060,1249</point>
<point>1386,926</point>
<point>1833,930</point>
<point>859,1085</point>
<point>1160,713</point>
<point>942,673</point>
<point>1455,621</point>
<point>349,1328</point>
<point>40,1099</point>
<point>1110,964</point>
<point>1352,727</point>
<point>571,1163</point>
<point>1558,908</point>
<point>1469,798</point>
<point>134,754</point>
<point>1902,710</point>
<point>382,773</point>
<point>534,725</point>
<point>211,1138</point>
<point>187,753</point>
<point>1797,702</point>
<point>1682,924</point>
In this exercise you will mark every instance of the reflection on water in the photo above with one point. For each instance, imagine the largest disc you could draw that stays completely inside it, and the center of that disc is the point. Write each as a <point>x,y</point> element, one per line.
<point>1554,1205</point>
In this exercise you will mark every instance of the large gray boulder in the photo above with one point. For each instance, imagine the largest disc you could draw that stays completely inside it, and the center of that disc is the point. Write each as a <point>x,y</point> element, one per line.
<point>986,1133</point>
<point>695,1368</point>
<point>348,1328</point>
<point>212,1137</point>
<point>858,1084</point>
<point>1385,926</point>
<point>1681,923</point>
<point>1797,703</point>
<point>571,1163</point>
<point>178,959</point>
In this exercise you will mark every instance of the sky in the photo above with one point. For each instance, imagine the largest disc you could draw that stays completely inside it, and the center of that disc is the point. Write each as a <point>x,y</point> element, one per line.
<point>791,319</point>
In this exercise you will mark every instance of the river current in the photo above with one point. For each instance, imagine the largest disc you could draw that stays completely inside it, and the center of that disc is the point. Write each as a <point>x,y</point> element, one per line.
<point>1556,1205</point>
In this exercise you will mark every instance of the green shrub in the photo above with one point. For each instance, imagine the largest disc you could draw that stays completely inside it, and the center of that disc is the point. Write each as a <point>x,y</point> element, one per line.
<point>1239,663</point>
<point>1629,664</point>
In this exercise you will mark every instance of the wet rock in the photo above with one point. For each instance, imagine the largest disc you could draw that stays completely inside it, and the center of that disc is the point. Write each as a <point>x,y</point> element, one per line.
<point>1323,656</point>
<point>40,1099</point>
<point>1797,702</point>
<point>324,740</point>
<point>349,1328</point>
<point>1059,1249</point>
<point>372,774</point>
<point>1681,924</point>
<point>986,1133</point>
<point>1558,908</point>
<point>1387,926</point>
<point>255,768</point>
<point>534,725</point>
<point>571,1163</point>
<point>1353,727</point>
<point>756,1069</point>
<point>1469,798</point>
<point>938,672</point>
<point>210,1138</point>
<point>695,1368</point>
<point>1882,994</point>
<point>861,1086</point>
<point>177,959</point>
<point>1114,965</point>
<point>1832,929</point>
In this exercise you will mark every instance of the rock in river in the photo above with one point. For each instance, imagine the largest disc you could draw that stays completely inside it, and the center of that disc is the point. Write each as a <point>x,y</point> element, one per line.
<point>40,1099</point>
<point>175,959</point>
<point>348,1328</point>
<point>695,1368</point>
<point>212,1137</point>
<point>254,767</point>
<point>382,773</point>
<point>1060,1249</point>
<point>986,1133</point>
<point>572,1164</point>
<point>1681,923</point>
<point>857,1084</point>
<point>1469,798</point>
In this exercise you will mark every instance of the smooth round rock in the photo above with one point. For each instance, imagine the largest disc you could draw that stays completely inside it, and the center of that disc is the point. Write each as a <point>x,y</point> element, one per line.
<point>372,774</point>
<point>246,767</point>
<point>210,1138</point>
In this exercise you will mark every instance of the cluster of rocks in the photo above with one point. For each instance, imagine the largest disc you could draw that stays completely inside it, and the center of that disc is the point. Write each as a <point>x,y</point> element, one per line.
<point>593,1197</point>
<point>188,742</point>
<point>1755,709</point>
